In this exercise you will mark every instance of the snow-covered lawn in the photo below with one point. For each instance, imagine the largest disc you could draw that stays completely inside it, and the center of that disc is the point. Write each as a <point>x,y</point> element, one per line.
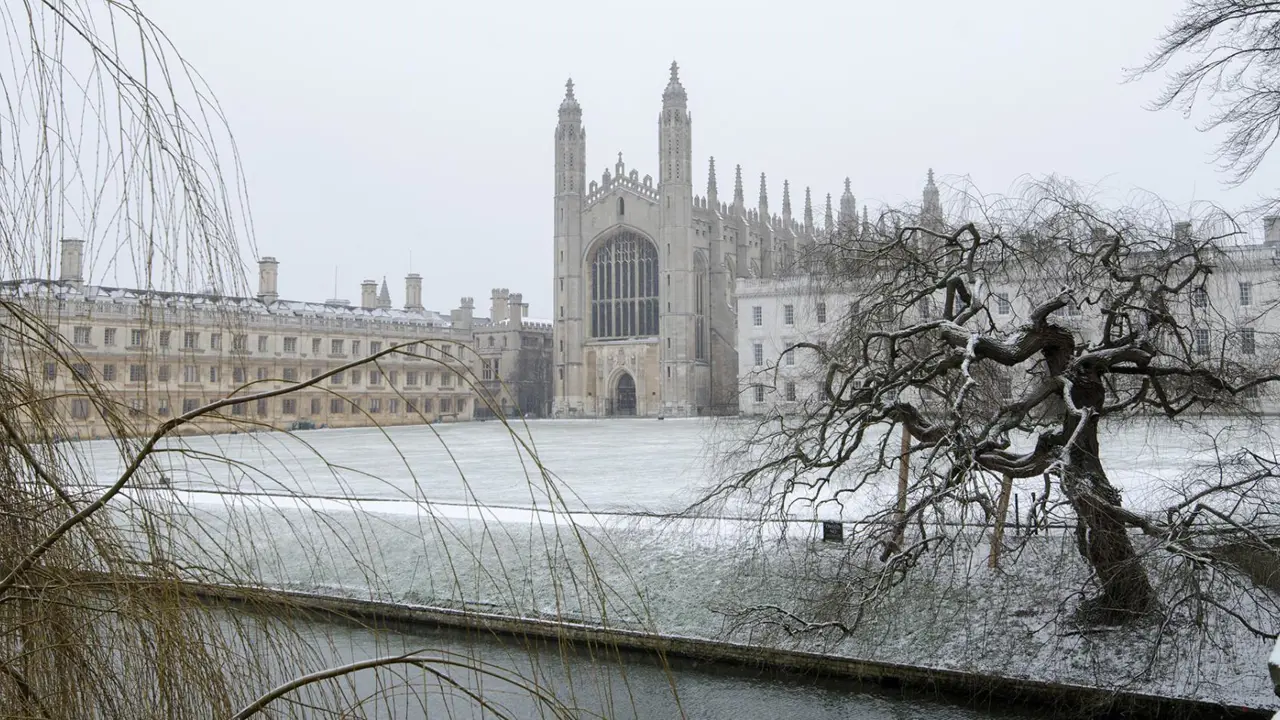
<point>457,515</point>
<point>638,465</point>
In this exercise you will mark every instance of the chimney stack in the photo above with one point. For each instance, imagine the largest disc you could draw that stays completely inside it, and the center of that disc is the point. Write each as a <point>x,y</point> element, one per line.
<point>72,268</point>
<point>413,292</point>
<point>515,311</point>
<point>1182,232</point>
<point>1271,230</point>
<point>369,294</point>
<point>498,308</point>
<point>268,272</point>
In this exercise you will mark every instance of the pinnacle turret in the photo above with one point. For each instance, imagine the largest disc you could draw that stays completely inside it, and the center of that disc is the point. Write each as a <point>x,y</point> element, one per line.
<point>808,211</point>
<point>674,95</point>
<point>711,183</point>
<point>738,198</point>
<point>384,296</point>
<point>764,199</point>
<point>571,146</point>
<point>931,201</point>
<point>569,108</point>
<point>848,205</point>
<point>786,200</point>
<point>829,221</point>
<point>866,222</point>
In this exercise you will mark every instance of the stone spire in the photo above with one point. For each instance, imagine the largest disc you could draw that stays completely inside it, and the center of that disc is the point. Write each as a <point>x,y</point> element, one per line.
<point>866,222</point>
<point>931,203</point>
<point>764,200</point>
<point>570,111</point>
<point>848,206</point>
<point>712,194</point>
<point>737,187</point>
<point>384,296</point>
<point>571,149</point>
<point>808,211</point>
<point>675,142</point>
<point>829,221</point>
<point>674,95</point>
<point>786,201</point>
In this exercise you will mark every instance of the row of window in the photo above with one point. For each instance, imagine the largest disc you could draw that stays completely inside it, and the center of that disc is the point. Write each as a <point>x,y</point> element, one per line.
<point>194,374</point>
<point>788,314</point>
<point>757,355</point>
<point>788,392</point>
<point>191,340</point>
<point>1200,337</point>
<point>1004,386</point>
<point>81,407</point>
<point>1004,306</point>
<point>1199,299</point>
<point>525,341</point>
<point>1200,296</point>
<point>1248,341</point>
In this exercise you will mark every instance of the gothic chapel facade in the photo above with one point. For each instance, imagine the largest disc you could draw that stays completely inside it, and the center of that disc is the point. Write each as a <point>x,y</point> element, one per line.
<point>645,274</point>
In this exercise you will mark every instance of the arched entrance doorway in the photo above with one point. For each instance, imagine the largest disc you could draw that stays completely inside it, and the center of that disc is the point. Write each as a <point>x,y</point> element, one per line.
<point>624,396</point>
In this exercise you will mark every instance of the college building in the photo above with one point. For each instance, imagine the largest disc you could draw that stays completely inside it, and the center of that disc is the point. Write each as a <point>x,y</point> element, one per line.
<point>647,271</point>
<point>1231,319</point>
<point>160,354</point>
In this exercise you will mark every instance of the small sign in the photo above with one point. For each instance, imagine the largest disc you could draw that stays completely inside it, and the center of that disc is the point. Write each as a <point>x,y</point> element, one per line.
<point>832,531</point>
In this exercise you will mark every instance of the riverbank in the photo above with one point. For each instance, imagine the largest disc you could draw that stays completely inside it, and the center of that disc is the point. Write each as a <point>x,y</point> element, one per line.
<point>977,691</point>
<point>696,579</point>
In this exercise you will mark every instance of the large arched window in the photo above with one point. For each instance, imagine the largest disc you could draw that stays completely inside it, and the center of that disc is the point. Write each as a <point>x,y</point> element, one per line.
<point>624,287</point>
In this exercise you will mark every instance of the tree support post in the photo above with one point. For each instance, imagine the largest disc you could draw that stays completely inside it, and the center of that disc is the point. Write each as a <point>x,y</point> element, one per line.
<point>903,468</point>
<point>1002,509</point>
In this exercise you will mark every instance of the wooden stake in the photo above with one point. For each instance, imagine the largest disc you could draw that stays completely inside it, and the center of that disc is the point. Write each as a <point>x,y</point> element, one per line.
<point>1002,509</point>
<point>903,468</point>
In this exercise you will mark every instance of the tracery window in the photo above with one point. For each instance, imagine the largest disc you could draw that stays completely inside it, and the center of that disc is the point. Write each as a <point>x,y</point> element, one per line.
<point>624,287</point>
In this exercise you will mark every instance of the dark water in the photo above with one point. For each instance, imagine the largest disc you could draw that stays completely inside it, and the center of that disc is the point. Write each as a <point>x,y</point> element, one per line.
<point>584,682</point>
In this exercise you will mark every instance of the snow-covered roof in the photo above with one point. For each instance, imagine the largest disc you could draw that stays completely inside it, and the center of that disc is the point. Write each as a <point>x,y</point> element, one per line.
<point>54,289</point>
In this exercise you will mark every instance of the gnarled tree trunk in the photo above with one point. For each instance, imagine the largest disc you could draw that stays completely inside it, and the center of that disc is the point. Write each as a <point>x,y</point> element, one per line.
<point>1102,536</point>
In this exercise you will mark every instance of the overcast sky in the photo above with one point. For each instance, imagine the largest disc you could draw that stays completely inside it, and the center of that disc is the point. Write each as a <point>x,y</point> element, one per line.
<point>372,132</point>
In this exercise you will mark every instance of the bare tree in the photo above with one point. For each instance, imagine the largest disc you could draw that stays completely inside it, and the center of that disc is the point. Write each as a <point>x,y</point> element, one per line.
<point>1226,59</point>
<point>1001,347</point>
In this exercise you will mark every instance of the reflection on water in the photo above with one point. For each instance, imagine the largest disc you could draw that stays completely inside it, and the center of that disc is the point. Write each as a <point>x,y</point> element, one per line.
<point>588,681</point>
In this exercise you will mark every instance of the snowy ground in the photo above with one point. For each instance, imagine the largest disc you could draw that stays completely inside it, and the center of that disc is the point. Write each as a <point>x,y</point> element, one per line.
<point>638,465</point>
<point>455,515</point>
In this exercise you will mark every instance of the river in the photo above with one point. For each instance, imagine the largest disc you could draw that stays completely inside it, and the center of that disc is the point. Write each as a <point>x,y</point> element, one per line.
<point>594,682</point>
